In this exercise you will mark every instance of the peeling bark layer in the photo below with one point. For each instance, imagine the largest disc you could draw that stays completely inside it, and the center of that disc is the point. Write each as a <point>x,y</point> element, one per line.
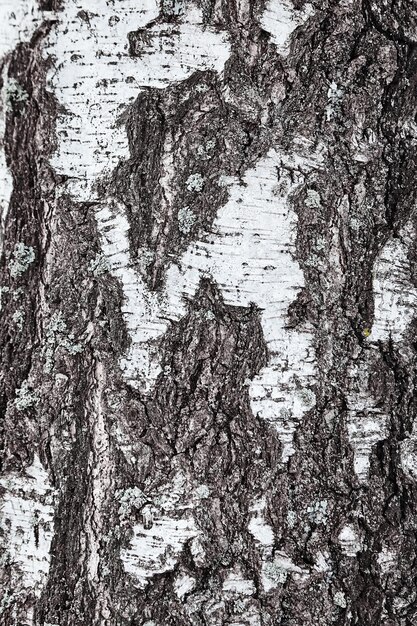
<point>208,239</point>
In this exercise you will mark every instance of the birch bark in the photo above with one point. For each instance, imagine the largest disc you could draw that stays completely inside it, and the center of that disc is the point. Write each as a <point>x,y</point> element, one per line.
<point>208,249</point>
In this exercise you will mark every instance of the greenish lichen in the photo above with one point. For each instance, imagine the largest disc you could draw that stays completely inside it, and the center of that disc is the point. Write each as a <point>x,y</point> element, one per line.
<point>131,498</point>
<point>57,337</point>
<point>8,597</point>
<point>25,397</point>
<point>195,182</point>
<point>313,200</point>
<point>307,397</point>
<point>23,256</point>
<point>202,492</point>
<point>201,88</point>
<point>339,599</point>
<point>315,261</point>
<point>15,93</point>
<point>285,414</point>
<point>209,315</point>
<point>275,573</point>
<point>186,220</point>
<point>317,512</point>
<point>291,519</point>
<point>205,151</point>
<point>18,318</point>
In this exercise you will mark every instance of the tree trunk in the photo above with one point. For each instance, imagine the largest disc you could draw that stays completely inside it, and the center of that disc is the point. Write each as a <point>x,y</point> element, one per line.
<point>208,282</point>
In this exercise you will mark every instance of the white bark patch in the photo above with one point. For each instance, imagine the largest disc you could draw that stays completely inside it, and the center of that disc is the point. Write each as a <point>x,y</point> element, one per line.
<point>237,592</point>
<point>166,526</point>
<point>140,308</point>
<point>280,19</point>
<point>408,457</point>
<point>101,470</point>
<point>250,255</point>
<point>258,527</point>
<point>363,434</point>
<point>276,572</point>
<point>236,584</point>
<point>395,296</point>
<point>339,599</point>
<point>349,540</point>
<point>6,181</point>
<point>322,562</point>
<point>26,519</point>
<point>387,560</point>
<point>95,79</point>
<point>156,550</point>
<point>395,302</point>
<point>395,299</point>
<point>183,584</point>
<point>250,617</point>
<point>366,423</point>
<point>18,21</point>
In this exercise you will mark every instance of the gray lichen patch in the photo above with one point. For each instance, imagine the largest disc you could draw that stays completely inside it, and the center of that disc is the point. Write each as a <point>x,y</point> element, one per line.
<point>205,152</point>
<point>195,182</point>
<point>275,572</point>
<point>307,397</point>
<point>339,599</point>
<point>313,200</point>
<point>130,499</point>
<point>15,92</point>
<point>26,397</point>
<point>18,318</point>
<point>57,336</point>
<point>23,256</point>
<point>317,512</point>
<point>186,220</point>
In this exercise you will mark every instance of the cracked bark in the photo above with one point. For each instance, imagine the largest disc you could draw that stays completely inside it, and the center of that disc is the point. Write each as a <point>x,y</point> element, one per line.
<point>208,300</point>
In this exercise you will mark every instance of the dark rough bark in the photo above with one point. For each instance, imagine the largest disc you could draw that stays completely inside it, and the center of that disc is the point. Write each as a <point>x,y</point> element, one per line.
<point>191,451</point>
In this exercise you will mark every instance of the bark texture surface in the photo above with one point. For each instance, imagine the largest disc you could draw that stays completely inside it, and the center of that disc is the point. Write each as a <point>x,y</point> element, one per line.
<point>208,312</point>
